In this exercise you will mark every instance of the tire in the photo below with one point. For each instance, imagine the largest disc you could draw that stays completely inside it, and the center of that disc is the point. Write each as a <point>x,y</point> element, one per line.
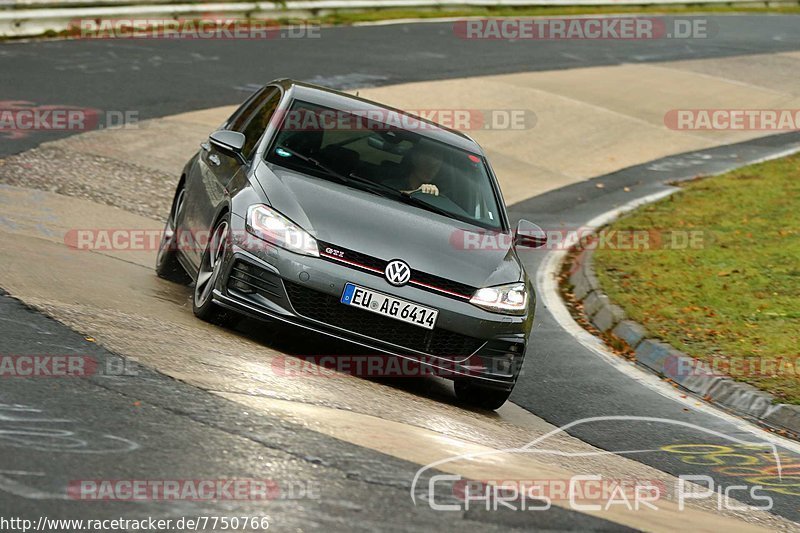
<point>480,396</point>
<point>208,274</point>
<point>167,265</point>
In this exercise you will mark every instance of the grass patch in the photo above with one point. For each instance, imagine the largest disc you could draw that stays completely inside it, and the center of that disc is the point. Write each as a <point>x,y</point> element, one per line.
<point>738,295</point>
<point>345,17</point>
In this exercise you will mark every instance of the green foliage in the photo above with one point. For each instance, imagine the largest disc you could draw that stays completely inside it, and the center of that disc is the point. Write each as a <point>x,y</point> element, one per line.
<point>738,295</point>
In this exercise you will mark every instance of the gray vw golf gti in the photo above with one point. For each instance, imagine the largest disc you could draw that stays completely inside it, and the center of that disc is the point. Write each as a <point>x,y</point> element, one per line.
<point>358,221</point>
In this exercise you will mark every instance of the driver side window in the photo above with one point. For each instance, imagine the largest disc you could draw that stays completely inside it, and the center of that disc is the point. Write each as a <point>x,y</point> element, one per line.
<point>253,120</point>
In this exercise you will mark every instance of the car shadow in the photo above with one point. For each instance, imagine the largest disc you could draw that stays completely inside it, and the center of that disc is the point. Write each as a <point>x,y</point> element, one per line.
<point>303,344</point>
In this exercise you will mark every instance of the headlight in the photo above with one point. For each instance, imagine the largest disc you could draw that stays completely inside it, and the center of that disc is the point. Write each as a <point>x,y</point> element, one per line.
<point>511,299</point>
<point>271,226</point>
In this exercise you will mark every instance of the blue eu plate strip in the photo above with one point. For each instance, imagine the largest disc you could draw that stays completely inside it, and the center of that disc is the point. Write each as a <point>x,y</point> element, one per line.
<point>347,296</point>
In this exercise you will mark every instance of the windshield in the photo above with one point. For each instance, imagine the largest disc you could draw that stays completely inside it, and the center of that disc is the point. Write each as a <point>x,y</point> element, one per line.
<point>388,160</point>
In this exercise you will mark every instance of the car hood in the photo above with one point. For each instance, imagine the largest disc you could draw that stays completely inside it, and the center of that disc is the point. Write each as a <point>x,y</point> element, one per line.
<point>387,229</point>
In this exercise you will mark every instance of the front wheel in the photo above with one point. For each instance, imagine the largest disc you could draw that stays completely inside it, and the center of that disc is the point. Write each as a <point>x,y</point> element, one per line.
<point>480,396</point>
<point>209,272</point>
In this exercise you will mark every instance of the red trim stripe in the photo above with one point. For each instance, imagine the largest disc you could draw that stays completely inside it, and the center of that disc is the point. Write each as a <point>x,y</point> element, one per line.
<point>440,289</point>
<point>381,272</point>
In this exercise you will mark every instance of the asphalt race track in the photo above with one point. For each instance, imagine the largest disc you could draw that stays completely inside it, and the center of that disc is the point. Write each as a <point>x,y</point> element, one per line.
<point>105,74</point>
<point>154,424</point>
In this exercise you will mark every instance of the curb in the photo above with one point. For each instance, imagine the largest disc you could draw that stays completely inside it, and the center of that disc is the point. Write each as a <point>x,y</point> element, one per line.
<point>670,363</point>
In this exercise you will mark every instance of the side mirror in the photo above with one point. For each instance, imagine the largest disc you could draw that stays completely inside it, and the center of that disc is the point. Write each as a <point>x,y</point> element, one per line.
<point>529,235</point>
<point>229,142</point>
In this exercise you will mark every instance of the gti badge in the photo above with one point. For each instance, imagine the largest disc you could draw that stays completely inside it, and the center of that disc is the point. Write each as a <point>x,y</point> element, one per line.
<point>397,272</point>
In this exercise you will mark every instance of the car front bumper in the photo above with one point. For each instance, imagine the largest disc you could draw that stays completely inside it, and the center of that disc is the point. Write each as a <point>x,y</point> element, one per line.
<point>268,282</point>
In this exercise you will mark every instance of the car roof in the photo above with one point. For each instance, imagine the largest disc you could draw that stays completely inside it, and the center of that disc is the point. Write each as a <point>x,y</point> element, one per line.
<point>324,96</point>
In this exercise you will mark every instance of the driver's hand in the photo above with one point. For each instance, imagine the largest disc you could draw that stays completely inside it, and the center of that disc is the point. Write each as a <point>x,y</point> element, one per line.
<point>429,188</point>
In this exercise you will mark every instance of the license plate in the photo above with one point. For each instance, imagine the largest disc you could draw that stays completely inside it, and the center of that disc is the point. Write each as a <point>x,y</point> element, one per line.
<point>386,305</point>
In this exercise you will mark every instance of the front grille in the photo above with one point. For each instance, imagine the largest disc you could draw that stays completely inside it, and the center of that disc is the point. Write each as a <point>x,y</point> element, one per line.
<point>466,291</point>
<point>422,280</point>
<point>325,308</point>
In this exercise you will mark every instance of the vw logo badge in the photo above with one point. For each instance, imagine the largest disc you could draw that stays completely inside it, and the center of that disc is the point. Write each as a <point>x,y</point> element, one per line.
<point>397,272</point>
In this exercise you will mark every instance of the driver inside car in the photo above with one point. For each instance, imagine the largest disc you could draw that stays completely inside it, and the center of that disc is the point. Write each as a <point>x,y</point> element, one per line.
<point>424,165</point>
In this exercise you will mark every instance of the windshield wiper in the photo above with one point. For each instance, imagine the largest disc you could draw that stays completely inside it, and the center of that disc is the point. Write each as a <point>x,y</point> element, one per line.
<point>402,196</point>
<point>329,171</point>
<point>374,187</point>
<point>425,205</point>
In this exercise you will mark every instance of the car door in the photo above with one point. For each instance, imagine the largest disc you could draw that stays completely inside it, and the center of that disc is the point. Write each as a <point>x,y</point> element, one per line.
<point>207,187</point>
